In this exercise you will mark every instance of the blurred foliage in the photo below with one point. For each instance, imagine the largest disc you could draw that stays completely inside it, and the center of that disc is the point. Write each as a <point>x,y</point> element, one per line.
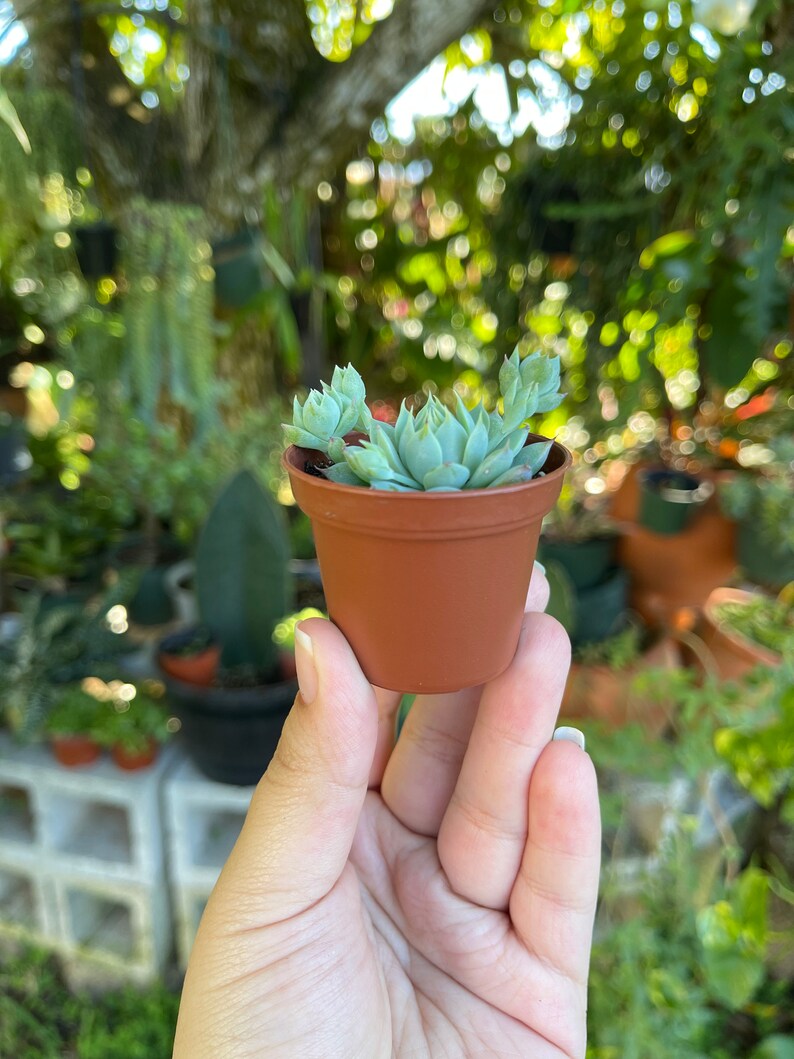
<point>41,1019</point>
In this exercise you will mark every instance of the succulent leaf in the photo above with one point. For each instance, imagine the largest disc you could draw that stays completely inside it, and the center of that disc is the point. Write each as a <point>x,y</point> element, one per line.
<point>433,449</point>
<point>448,476</point>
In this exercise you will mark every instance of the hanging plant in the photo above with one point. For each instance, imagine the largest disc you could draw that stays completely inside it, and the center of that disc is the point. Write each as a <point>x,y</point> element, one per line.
<point>168,309</point>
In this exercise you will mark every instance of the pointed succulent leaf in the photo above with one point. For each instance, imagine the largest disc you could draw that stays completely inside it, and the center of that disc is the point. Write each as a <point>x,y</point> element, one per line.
<point>403,417</point>
<point>303,439</point>
<point>452,438</point>
<point>513,476</point>
<point>393,487</point>
<point>347,381</point>
<point>365,420</point>
<point>336,449</point>
<point>522,407</point>
<point>547,402</point>
<point>533,456</point>
<point>447,476</point>
<point>509,372</point>
<point>420,452</point>
<point>321,415</point>
<point>462,414</point>
<point>476,444</point>
<point>515,442</point>
<point>541,370</point>
<point>492,467</point>
<point>368,463</point>
<point>383,437</point>
<point>343,474</point>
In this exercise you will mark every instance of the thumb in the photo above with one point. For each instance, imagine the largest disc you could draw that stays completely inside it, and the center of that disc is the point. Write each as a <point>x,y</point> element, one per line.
<point>303,816</point>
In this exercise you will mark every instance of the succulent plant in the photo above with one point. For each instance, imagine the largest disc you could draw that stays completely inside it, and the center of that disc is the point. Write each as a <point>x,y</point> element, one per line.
<point>434,449</point>
<point>330,413</point>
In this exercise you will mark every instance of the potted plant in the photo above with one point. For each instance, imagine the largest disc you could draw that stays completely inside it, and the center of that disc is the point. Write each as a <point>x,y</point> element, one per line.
<point>191,655</point>
<point>132,722</point>
<point>231,728</point>
<point>743,630</point>
<point>760,501</point>
<point>670,498</point>
<point>603,676</point>
<point>426,530</point>
<point>578,533</point>
<point>72,725</point>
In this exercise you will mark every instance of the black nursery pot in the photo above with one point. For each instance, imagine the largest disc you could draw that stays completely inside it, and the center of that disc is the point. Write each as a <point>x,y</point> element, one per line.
<point>231,733</point>
<point>669,499</point>
<point>586,562</point>
<point>601,609</point>
<point>96,249</point>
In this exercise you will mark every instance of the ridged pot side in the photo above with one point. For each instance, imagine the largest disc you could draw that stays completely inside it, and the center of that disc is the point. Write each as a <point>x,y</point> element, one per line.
<point>428,588</point>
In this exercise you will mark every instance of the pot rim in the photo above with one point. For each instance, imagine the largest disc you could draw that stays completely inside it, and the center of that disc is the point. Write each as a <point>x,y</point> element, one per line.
<point>213,700</point>
<point>420,496</point>
<point>700,492</point>
<point>738,595</point>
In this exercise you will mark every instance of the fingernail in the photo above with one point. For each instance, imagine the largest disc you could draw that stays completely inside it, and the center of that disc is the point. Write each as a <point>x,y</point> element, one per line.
<point>305,665</point>
<point>540,566</point>
<point>570,735</point>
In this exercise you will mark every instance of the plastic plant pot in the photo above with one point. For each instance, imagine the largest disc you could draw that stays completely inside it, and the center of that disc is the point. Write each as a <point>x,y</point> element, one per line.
<point>96,249</point>
<point>428,588</point>
<point>669,500</point>
<point>231,733</point>
<point>600,611</point>
<point>73,751</point>
<point>733,655</point>
<point>199,668</point>
<point>586,562</point>
<point>134,760</point>
<point>761,561</point>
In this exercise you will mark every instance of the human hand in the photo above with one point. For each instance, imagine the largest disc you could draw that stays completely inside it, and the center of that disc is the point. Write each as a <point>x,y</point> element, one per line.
<point>447,911</point>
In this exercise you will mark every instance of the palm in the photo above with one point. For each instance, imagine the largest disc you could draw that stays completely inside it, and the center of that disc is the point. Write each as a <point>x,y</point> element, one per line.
<point>457,923</point>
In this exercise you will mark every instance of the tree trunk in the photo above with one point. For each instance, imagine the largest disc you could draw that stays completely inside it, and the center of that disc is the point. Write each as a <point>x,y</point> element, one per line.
<point>337,110</point>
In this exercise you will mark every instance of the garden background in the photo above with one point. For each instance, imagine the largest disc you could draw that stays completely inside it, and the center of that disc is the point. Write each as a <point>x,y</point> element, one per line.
<point>204,206</point>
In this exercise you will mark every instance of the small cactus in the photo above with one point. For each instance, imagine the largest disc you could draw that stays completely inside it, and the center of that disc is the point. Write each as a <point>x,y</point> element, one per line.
<point>434,449</point>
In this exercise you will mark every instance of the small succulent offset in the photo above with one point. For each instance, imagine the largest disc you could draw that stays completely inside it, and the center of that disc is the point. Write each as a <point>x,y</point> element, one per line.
<point>434,449</point>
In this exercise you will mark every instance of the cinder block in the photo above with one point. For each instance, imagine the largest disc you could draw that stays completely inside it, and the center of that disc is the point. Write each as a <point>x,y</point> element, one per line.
<point>203,820</point>
<point>189,905</point>
<point>124,928</point>
<point>27,903</point>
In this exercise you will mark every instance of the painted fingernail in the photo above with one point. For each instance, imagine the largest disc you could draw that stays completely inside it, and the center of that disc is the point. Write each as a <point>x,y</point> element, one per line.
<point>570,735</point>
<point>540,566</point>
<point>306,665</point>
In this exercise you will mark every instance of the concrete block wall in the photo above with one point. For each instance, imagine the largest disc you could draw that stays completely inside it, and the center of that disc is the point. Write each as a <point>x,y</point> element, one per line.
<point>203,820</point>
<point>82,864</point>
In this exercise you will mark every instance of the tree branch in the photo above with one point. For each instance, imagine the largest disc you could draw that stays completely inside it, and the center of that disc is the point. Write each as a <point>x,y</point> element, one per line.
<point>342,100</point>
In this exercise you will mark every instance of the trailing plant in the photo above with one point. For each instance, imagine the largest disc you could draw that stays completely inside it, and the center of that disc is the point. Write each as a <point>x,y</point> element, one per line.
<point>767,621</point>
<point>168,310</point>
<point>433,449</point>
<point>242,580</point>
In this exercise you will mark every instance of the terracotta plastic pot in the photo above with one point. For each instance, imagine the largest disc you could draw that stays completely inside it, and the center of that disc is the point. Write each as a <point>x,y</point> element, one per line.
<point>428,588</point>
<point>200,668</point>
<point>607,695</point>
<point>733,655</point>
<point>133,760</point>
<point>74,750</point>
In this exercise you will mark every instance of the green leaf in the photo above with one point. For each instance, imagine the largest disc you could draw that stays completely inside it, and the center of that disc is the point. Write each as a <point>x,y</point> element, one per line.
<point>775,1047</point>
<point>9,115</point>
<point>733,976</point>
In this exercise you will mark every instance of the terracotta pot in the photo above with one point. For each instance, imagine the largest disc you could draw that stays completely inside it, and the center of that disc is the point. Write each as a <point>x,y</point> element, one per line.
<point>74,750</point>
<point>606,695</point>
<point>668,574</point>
<point>133,760</point>
<point>428,588</point>
<point>733,655</point>
<point>200,668</point>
